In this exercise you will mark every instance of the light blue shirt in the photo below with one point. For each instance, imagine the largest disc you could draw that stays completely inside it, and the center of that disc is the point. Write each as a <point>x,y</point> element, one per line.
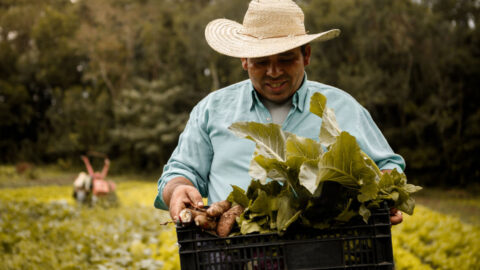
<point>213,158</point>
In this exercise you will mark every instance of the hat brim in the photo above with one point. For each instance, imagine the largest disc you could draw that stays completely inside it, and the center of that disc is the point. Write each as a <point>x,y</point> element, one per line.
<point>225,37</point>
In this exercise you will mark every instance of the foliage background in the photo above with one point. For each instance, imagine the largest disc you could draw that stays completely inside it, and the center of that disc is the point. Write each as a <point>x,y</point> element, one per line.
<point>121,76</point>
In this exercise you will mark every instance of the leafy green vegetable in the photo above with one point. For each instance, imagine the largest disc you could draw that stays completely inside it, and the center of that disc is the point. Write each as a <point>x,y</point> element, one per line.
<point>269,138</point>
<point>308,185</point>
<point>270,143</point>
<point>238,196</point>
<point>297,146</point>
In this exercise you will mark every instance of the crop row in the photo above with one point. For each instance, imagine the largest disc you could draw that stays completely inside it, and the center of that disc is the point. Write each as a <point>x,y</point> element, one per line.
<point>437,241</point>
<point>42,228</point>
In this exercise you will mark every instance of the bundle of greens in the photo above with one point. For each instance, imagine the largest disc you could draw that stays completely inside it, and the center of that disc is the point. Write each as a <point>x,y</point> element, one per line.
<point>313,184</point>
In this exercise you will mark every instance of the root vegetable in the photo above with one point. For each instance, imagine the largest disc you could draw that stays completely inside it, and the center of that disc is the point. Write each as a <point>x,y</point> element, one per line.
<point>227,220</point>
<point>205,222</point>
<point>218,208</point>
<point>188,215</point>
<point>185,216</point>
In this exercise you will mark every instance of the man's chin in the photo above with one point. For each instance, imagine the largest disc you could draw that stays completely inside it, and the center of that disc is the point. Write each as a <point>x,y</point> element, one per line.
<point>281,98</point>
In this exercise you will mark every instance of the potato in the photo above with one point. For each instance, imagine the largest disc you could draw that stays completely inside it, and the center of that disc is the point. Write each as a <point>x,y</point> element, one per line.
<point>218,208</point>
<point>205,222</point>
<point>188,215</point>
<point>227,220</point>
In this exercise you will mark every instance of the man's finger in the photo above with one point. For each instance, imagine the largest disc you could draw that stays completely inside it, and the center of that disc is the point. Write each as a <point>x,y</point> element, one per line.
<point>184,196</point>
<point>195,198</point>
<point>176,207</point>
<point>174,213</point>
<point>396,217</point>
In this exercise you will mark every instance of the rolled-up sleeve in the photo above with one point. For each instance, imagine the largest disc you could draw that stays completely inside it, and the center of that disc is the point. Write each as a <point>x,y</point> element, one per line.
<point>192,157</point>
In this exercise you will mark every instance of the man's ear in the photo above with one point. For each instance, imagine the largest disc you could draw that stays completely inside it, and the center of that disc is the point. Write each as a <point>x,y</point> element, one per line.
<point>244,63</point>
<point>308,53</point>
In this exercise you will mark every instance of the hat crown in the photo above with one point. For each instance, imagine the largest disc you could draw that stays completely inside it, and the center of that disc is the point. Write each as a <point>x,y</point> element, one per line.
<point>273,18</point>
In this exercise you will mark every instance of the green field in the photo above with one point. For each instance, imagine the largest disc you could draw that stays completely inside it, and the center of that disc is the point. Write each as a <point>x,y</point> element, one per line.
<point>42,228</point>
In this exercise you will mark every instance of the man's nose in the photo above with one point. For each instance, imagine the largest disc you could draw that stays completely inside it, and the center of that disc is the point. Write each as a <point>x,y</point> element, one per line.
<point>274,69</point>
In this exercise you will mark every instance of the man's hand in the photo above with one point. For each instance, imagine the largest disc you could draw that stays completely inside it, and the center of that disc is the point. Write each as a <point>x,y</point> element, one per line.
<point>178,194</point>
<point>395,214</point>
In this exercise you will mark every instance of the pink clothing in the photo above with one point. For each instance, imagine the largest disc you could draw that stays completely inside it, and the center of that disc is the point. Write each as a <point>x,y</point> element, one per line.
<point>93,174</point>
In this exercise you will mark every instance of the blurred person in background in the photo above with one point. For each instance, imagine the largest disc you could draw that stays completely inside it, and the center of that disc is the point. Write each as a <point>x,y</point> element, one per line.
<point>88,187</point>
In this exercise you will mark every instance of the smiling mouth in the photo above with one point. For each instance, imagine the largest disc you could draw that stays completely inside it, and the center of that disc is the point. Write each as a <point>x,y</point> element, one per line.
<point>276,84</point>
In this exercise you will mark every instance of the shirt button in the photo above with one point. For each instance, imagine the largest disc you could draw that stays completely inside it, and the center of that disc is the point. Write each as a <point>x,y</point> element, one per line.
<point>268,118</point>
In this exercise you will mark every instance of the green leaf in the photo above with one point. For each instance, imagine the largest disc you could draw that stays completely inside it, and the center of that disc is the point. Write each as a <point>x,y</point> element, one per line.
<point>394,195</point>
<point>399,179</point>
<point>318,104</point>
<point>347,213</point>
<point>393,186</point>
<point>247,227</point>
<point>269,156</point>
<point>264,205</point>
<point>329,130</point>
<point>370,163</point>
<point>260,204</point>
<point>386,181</point>
<point>272,188</point>
<point>262,221</point>
<point>253,189</point>
<point>274,169</point>
<point>308,175</point>
<point>344,163</point>
<point>411,188</point>
<point>297,146</point>
<point>283,224</point>
<point>403,194</point>
<point>407,206</point>
<point>257,172</point>
<point>238,195</point>
<point>294,165</point>
<point>364,212</point>
<point>287,214</point>
<point>269,138</point>
<point>369,190</point>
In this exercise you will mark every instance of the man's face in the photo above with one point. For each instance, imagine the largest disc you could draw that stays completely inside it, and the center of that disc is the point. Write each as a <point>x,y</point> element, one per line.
<point>279,76</point>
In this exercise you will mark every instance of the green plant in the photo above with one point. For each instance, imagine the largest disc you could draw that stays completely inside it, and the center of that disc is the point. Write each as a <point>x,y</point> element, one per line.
<point>318,188</point>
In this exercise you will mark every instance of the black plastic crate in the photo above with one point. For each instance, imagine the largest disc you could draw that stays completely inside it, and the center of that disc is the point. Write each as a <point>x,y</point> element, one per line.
<point>354,246</point>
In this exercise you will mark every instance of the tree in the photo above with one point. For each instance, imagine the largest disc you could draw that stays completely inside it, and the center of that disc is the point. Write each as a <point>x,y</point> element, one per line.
<point>413,66</point>
<point>80,75</point>
<point>150,118</point>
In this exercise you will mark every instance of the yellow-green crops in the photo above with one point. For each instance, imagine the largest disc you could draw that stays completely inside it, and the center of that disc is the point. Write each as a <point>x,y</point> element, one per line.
<point>42,228</point>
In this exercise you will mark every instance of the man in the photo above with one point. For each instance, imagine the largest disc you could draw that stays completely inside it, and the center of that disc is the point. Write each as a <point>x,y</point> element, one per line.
<point>274,49</point>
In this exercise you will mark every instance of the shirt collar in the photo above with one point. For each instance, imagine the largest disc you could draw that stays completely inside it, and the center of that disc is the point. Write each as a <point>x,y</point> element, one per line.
<point>298,99</point>
<point>254,97</point>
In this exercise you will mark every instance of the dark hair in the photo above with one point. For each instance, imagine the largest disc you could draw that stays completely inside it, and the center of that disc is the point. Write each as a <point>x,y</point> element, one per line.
<point>303,49</point>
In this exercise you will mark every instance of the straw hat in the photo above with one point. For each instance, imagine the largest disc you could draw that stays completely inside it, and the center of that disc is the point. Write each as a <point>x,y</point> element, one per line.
<point>269,27</point>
